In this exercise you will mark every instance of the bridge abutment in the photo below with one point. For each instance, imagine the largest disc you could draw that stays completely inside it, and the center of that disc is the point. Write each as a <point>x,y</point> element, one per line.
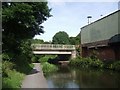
<point>73,55</point>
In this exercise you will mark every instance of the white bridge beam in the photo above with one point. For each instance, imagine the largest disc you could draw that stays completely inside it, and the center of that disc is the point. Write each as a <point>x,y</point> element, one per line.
<point>51,52</point>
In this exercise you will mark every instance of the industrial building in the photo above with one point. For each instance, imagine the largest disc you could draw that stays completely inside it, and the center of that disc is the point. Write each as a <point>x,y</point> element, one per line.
<point>102,37</point>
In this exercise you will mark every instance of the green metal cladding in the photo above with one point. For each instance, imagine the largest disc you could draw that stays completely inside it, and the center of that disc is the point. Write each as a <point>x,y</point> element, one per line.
<point>102,29</point>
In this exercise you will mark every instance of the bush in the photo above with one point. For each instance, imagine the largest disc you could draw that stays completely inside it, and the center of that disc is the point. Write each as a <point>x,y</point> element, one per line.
<point>47,68</point>
<point>113,65</point>
<point>34,59</point>
<point>6,66</point>
<point>0,68</point>
<point>116,65</point>
<point>96,63</point>
<point>0,63</point>
<point>7,56</point>
<point>86,62</point>
<point>108,64</point>
<point>23,64</point>
<point>46,58</point>
<point>13,74</point>
<point>13,80</point>
<point>24,68</point>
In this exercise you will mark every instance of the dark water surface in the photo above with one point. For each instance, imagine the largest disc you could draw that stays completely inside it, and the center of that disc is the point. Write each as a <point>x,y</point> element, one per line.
<point>68,77</point>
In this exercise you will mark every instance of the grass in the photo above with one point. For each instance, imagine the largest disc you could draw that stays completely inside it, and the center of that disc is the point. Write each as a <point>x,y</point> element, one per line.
<point>13,80</point>
<point>48,68</point>
<point>13,74</point>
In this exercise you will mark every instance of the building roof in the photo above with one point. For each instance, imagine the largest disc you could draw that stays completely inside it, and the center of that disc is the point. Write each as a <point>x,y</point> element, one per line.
<point>101,19</point>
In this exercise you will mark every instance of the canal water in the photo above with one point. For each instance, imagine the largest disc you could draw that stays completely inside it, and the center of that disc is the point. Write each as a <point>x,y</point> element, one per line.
<point>67,77</point>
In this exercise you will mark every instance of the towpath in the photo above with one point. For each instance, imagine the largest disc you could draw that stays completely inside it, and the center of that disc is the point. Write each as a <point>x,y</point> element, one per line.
<point>35,79</point>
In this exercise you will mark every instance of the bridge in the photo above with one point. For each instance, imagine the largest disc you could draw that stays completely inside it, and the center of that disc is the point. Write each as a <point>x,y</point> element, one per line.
<point>57,49</point>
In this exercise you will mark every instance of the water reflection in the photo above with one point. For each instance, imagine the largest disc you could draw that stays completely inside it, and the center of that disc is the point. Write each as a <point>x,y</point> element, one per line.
<point>68,77</point>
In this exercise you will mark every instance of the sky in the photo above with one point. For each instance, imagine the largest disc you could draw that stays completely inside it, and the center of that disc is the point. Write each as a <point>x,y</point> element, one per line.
<point>71,16</point>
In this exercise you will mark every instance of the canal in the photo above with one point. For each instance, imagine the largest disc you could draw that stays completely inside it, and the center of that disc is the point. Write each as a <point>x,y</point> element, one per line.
<point>67,77</point>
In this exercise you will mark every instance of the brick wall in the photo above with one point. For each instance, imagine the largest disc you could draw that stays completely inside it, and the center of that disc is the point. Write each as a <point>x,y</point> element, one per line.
<point>103,53</point>
<point>106,53</point>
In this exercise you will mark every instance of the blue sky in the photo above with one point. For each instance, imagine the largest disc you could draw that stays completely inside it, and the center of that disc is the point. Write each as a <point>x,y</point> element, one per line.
<point>71,16</point>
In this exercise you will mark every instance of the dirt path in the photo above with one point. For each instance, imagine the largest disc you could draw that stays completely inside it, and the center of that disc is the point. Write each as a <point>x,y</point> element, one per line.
<point>35,79</point>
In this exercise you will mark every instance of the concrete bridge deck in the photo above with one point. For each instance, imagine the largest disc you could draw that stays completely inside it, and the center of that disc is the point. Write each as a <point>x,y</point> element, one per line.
<point>52,47</point>
<point>56,49</point>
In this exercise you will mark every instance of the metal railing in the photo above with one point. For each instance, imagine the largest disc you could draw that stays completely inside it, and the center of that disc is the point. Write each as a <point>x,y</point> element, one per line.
<point>52,47</point>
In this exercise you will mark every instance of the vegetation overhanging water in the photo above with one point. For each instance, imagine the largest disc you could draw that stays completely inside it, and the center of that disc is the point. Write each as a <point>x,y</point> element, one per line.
<point>67,77</point>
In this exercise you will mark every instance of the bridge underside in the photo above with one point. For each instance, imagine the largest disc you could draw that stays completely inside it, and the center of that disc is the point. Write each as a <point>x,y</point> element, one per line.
<point>52,52</point>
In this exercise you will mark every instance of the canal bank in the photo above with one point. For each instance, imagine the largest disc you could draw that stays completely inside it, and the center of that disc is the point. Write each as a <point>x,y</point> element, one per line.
<point>35,79</point>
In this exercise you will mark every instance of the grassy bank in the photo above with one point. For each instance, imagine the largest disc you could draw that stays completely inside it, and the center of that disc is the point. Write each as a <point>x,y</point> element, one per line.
<point>94,63</point>
<point>14,73</point>
<point>47,67</point>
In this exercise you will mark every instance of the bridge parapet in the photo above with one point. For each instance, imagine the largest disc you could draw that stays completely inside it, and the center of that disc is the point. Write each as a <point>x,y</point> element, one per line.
<point>52,47</point>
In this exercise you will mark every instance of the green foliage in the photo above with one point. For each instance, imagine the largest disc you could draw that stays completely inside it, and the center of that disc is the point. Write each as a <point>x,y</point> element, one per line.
<point>48,68</point>
<point>46,58</point>
<point>13,80</point>
<point>116,65</point>
<point>72,41</point>
<point>7,56</point>
<point>7,66</point>
<point>78,50</point>
<point>75,40</point>
<point>78,39</point>
<point>22,64</point>
<point>13,74</point>
<point>0,67</point>
<point>86,62</point>
<point>108,64</point>
<point>25,49</point>
<point>22,21</point>
<point>95,63</point>
<point>94,54</point>
<point>61,38</point>
<point>113,65</point>
<point>34,59</point>
<point>37,41</point>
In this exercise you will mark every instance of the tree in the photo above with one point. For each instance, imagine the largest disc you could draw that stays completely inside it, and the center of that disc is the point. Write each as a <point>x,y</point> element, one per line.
<point>78,39</point>
<point>22,21</point>
<point>37,41</point>
<point>72,40</point>
<point>61,38</point>
<point>75,40</point>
